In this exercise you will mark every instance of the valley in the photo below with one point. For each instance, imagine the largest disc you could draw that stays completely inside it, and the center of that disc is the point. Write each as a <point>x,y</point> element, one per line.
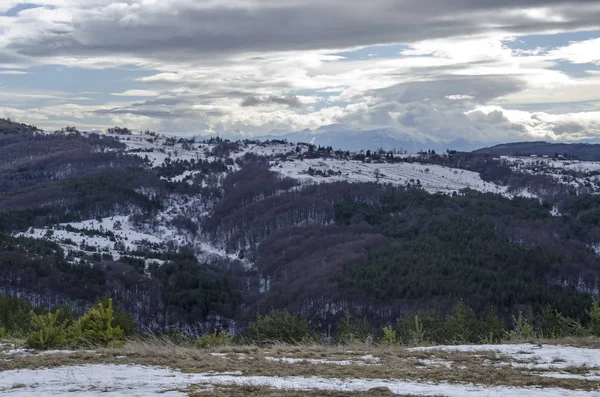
<point>143,212</point>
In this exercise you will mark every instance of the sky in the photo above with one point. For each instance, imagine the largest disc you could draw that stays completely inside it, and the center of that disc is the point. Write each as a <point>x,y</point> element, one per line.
<point>480,70</point>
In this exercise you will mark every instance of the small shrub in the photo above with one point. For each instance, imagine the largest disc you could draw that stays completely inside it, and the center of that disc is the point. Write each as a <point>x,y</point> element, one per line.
<point>213,340</point>
<point>15,315</point>
<point>96,327</point>
<point>2,332</point>
<point>462,326</point>
<point>412,330</point>
<point>350,331</point>
<point>121,319</point>
<point>554,325</point>
<point>492,329</point>
<point>46,332</point>
<point>177,337</point>
<point>594,314</point>
<point>418,333</point>
<point>523,329</point>
<point>389,336</point>
<point>281,326</point>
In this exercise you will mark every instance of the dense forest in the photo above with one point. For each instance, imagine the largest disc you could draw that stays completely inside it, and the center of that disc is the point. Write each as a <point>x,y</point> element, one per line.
<point>324,251</point>
<point>583,151</point>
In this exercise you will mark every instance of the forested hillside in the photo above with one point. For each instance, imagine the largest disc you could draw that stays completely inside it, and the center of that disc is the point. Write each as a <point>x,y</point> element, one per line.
<point>582,151</point>
<point>195,234</point>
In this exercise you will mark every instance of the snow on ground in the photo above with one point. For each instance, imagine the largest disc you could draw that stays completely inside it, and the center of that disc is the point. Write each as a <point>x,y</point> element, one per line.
<point>11,350</point>
<point>159,233</point>
<point>561,171</point>
<point>124,234</point>
<point>533,356</point>
<point>433,178</point>
<point>592,375</point>
<point>575,165</point>
<point>272,149</point>
<point>189,175</point>
<point>157,151</point>
<point>136,381</point>
<point>95,380</point>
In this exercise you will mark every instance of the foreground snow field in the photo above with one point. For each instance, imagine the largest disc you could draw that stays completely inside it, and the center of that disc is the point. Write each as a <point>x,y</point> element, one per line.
<point>97,379</point>
<point>138,381</point>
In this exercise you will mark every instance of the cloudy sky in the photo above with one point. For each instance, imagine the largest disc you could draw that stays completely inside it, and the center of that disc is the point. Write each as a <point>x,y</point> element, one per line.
<point>483,70</point>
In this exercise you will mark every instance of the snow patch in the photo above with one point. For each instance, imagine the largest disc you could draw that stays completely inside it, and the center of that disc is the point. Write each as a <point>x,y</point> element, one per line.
<point>533,356</point>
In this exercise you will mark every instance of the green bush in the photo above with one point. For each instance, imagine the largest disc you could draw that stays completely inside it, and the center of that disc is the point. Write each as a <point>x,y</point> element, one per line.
<point>594,314</point>
<point>177,337</point>
<point>95,327</point>
<point>492,328</point>
<point>462,326</point>
<point>46,332</point>
<point>281,326</point>
<point>349,330</point>
<point>213,340</point>
<point>121,319</point>
<point>412,329</point>
<point>554,325</point>
<point>523,328</point>
<point>2,332</point>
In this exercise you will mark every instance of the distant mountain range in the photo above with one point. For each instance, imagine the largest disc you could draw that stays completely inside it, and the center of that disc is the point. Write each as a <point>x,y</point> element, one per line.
<point>340,136</point>
<point>582,151</point>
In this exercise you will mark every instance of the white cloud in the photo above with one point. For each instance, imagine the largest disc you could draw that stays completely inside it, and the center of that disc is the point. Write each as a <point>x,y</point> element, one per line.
<point>137,93</point>
<point>458,97</point>
<point>13,72</point>
<point>587,51</point>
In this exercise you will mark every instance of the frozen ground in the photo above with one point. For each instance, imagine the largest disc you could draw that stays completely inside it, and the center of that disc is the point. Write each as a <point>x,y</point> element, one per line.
<point>103,379</point>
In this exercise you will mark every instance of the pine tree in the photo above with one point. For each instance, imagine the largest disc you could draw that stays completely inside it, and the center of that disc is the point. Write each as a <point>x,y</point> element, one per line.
<point>461,326</point>
<point>46,331</point>
<point>594,314</point>
<point>96,326</point>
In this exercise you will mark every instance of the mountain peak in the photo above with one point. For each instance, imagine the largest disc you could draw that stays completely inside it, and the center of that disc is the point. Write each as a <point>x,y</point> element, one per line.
<point>333,127</point>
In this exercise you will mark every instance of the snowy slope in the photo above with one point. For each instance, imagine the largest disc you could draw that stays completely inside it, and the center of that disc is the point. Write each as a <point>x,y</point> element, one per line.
<point>433,178</point>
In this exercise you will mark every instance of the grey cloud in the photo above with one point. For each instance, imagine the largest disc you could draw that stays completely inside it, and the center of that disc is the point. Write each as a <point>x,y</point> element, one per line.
<point>481,88</point>
<point>423,109</point>
<point>135,112</point>
<point>494,117</point>
<point>191,30</point>
<point>291,101</point>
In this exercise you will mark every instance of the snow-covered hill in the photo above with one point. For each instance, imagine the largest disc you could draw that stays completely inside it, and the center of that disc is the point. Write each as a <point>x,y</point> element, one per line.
<point>117,236</point>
